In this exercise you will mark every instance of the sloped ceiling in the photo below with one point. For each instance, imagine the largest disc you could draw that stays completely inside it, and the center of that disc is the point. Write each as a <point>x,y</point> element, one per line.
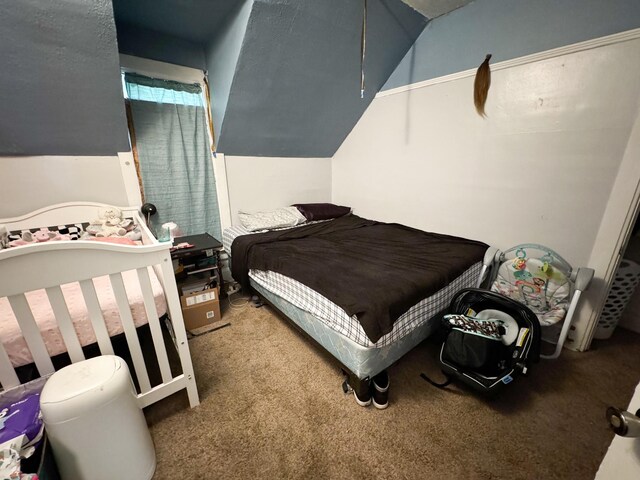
<point>296,88</point>
<point>60,91</point>
<point>192,20</point>
<point>293,85</point>
<point>435,8</point>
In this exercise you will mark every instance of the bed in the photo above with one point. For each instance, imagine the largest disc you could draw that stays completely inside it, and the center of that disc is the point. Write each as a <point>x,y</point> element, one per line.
<point>58,297</point>
<point>361,353</point>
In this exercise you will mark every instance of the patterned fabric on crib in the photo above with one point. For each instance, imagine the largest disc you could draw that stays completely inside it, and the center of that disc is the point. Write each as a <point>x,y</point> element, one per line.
<point>74,231</point>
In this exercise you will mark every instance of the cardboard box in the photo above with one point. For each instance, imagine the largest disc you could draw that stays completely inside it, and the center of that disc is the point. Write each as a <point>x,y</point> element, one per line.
<point>200,308</point>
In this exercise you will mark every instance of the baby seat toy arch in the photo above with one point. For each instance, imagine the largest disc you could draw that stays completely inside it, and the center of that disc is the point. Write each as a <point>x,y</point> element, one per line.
<point>539,278</point>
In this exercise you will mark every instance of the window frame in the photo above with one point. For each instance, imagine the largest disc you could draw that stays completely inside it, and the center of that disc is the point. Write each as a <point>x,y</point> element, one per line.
<point>169,71</point>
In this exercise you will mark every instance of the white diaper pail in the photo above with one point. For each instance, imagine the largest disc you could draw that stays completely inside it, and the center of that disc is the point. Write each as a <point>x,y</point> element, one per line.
<point>92,419</point>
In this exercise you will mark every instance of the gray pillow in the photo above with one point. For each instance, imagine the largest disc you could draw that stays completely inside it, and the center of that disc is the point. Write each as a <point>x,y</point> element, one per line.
<point>268,220</point>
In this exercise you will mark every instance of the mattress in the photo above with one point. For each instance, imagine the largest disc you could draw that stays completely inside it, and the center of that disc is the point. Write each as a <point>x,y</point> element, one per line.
<point>15,344</point>
<point>336,318</point>
<point>230,234</point>
<point>362,361</point>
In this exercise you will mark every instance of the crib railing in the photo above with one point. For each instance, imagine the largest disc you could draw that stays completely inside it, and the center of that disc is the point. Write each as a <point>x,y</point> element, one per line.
<point>48,266</point>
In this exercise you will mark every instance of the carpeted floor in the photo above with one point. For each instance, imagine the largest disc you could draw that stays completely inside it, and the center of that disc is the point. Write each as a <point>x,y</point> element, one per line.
<point>272,407</point>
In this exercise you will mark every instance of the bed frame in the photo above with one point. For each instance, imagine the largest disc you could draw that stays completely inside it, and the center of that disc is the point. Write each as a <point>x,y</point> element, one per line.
<point>51,264</point>
<point>359,369</point>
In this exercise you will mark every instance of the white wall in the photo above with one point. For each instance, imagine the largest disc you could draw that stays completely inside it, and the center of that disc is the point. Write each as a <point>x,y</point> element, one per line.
<point>262,183</point>
<point>29,183</point>
<point>539,169</point>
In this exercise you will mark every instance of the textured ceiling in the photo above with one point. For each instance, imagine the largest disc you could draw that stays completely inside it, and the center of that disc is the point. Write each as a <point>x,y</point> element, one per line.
<point>296,87</point>
<point>193,20</point>
<point>435,8</point>
<point>199,20</point>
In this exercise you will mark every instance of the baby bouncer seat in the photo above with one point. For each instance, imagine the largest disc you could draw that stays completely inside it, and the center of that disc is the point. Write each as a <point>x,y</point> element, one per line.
<point>539,278</point>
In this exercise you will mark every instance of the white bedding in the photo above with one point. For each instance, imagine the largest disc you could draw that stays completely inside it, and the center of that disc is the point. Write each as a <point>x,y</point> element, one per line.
<point>280,218</point>
<point>16,346</point>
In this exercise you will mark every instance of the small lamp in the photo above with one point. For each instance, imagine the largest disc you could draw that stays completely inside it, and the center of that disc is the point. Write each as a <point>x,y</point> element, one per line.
<point>147,210</point>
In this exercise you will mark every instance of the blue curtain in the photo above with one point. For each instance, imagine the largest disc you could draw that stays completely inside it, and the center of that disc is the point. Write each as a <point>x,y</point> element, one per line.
<point>174,153</point>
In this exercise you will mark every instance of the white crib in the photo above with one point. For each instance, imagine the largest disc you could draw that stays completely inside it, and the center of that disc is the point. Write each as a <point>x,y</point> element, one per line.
<point>51,264</point>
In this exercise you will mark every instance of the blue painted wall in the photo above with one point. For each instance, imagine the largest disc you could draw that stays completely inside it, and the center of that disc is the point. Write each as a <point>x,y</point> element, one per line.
<point>141,42</point>
<point>60,90</point>
<point>508,29</point>
<point>194,20</point>
<point>222,57</point>
<point>296,88</point>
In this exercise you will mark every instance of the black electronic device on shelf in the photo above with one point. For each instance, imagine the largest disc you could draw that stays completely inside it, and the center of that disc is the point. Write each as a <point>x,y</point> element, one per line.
<point>203,245</point>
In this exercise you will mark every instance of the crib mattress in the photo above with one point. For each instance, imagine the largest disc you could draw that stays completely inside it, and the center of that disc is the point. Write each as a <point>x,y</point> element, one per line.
<point>16,346</point>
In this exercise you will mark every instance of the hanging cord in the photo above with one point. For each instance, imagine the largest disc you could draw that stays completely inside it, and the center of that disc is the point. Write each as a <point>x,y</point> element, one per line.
<point>207,96</point>
<point>363,48</point>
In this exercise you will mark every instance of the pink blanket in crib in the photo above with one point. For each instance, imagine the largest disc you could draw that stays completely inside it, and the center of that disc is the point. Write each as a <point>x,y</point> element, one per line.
<point>16,346</point>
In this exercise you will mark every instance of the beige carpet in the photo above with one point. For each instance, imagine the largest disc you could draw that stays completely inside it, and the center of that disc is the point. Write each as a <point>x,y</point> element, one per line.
<point>272,407</point>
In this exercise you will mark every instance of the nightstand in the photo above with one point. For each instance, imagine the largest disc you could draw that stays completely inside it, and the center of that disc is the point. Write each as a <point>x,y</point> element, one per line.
<point>197,268</point>
<point>202,258</point>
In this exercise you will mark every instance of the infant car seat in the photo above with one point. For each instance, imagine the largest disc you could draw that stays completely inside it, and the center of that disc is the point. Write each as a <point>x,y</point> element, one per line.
<point>490,340</point>
<point>539,278</point>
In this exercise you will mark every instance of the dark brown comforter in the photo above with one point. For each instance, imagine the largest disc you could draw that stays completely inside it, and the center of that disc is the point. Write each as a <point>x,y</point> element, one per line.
<point>373,270</point>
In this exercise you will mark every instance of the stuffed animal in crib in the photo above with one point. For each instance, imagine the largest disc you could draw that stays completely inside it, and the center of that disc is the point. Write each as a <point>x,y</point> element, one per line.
<point>42,235</point>
<point>4,237</point>
<point>102,230</point>
<point>134,234</point>
<point>111,223</point>
<point>112,217</point>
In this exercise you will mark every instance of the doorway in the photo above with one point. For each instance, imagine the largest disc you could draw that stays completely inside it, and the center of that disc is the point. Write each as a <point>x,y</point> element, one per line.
<point>614,238</point>
<point>622,305</point>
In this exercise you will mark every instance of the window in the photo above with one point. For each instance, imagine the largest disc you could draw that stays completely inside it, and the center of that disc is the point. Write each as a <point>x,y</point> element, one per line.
<point>170,136</point>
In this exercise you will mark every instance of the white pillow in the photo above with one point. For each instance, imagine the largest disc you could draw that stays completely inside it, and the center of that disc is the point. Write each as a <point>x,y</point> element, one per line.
<point>281,217</point>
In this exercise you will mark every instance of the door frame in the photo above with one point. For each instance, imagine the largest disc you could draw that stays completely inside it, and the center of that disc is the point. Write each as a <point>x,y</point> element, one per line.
<point>613,236</point>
